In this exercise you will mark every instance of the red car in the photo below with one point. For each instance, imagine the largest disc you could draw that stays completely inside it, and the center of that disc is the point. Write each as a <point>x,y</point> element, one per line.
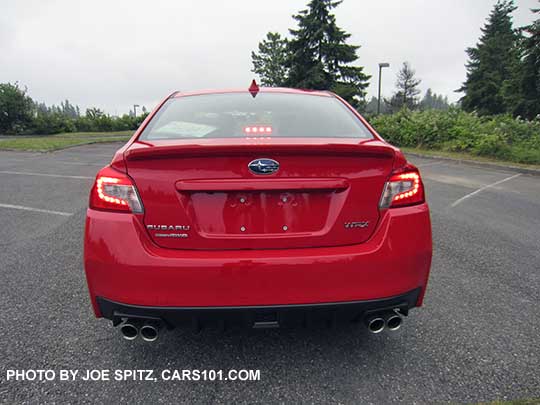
<point>271,207</point>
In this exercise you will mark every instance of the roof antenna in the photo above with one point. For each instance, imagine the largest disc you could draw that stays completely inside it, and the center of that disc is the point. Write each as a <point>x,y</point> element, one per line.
<point>254,88</point>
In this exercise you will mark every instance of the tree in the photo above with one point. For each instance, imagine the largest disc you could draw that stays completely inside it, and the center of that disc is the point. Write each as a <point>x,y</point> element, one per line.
<point>372,106</point>
<point>407,89</point>
<point>94,113</point>
<point>492,64</point>
<point>434,101</point>
<point>529,101</point>
<point>69,110</point>
<point>41,108</point>
<point>269,62</point>
<point>319,57</point>
<point>16,109</point>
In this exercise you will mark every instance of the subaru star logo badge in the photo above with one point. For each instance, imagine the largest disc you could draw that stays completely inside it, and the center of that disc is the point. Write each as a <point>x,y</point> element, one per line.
<point>263,166</point>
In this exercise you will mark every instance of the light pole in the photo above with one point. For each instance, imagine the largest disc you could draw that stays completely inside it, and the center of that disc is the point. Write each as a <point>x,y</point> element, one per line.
<point>381,66</point>
<point>135,109</point>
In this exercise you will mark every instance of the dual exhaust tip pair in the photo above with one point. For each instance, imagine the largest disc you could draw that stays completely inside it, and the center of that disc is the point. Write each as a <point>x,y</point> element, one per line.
<point>149,331</point>
<point>378,322</point>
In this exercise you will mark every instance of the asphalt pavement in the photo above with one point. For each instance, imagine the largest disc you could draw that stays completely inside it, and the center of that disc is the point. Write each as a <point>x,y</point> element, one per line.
<point>476,338</point>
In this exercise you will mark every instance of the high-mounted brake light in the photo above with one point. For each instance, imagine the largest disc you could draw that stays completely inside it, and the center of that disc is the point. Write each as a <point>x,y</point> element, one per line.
<point>402,189</point>
<point>258,129</point>
<point>114,191</point>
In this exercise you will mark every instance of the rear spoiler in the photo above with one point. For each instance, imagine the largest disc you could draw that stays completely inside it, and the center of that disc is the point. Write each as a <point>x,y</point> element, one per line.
<point>141,151</point>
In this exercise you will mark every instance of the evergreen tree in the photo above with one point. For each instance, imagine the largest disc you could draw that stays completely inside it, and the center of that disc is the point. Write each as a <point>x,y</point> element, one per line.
<point>41,108</point>
<point>434,101</point>
<point>529,104</point>
<point>320,58</point>
<point>492,63</point>
<point>428,101</point>
<point>270,61</point>
<point>371,106</point>
<point>407,89</point>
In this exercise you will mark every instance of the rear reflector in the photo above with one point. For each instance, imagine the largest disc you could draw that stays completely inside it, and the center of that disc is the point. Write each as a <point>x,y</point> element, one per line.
<point>115,191</point>
<point>402,189</point>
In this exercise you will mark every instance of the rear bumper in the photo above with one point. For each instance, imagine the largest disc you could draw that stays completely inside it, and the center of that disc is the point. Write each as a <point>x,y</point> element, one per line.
<point>124,266</point>
<point>283,316</point>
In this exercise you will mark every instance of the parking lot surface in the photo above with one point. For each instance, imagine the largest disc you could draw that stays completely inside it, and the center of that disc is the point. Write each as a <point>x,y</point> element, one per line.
<point>475,339</point>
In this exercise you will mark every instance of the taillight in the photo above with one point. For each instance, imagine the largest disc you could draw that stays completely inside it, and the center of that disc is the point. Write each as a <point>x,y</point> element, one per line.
<point>115,191</point>
<point>403,188</point>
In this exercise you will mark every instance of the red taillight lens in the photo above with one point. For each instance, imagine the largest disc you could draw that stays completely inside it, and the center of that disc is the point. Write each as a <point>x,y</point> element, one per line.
<point>403,188</point>
<point>115,191</point>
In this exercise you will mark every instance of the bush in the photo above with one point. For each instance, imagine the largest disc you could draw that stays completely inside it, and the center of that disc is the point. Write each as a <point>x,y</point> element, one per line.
<point>52,123</point>
<point>500,137</point>
<point>105,123</point>
<point>16,109</point>
<point>55,123</point>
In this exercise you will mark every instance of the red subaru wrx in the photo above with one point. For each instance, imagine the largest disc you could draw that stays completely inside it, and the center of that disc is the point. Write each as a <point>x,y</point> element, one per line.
<point>272,207</point>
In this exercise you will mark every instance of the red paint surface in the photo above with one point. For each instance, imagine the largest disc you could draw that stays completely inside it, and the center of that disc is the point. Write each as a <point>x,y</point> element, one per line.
<point>258,239</point>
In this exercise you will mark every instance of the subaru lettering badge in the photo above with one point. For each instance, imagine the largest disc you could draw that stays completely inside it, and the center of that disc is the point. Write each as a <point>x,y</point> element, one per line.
<point>263,166</point>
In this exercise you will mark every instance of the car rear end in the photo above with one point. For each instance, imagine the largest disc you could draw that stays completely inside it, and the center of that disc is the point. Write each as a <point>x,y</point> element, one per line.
<point>279,209</point>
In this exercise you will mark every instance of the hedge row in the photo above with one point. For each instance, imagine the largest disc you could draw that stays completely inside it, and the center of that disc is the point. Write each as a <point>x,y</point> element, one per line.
<point>501,137</point>
<point>54,123</point>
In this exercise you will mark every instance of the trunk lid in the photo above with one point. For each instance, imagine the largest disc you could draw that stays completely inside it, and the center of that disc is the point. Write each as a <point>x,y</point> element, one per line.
<point>202,194</point>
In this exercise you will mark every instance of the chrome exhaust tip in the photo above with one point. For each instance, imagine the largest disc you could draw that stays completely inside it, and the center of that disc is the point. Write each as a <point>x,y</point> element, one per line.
<point>394,321</point>
<point>129,331</point>
<point>375,324</point>
<point>149,332</point>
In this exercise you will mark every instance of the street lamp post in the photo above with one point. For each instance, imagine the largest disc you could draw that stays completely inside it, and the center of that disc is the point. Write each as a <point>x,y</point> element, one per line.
<point>381,66</point>
<point>135,109</point>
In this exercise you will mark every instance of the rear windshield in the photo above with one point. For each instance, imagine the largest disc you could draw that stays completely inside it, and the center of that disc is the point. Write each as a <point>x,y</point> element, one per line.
<point>232,115</point>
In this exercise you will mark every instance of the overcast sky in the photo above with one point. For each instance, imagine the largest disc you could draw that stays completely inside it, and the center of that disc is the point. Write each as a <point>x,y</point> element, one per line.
<point>112,54</point>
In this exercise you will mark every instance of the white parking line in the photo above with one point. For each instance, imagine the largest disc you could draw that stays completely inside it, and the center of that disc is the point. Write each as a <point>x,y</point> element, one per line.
<point>483,188</point>
<point>20,207</point>
<point>45,175</point>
